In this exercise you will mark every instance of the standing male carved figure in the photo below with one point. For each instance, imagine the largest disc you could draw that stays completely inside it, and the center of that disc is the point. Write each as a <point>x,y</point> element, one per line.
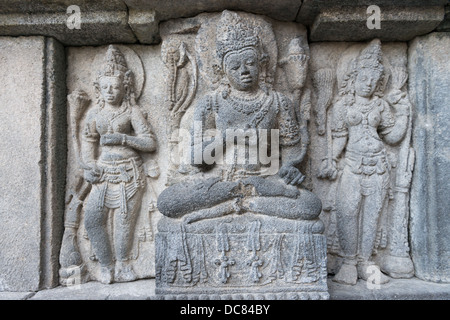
<point>115,131</point>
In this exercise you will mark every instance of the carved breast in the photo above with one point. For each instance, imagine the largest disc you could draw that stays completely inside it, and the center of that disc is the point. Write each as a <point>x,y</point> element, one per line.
<point>374,118</point>
<point>366,116</point>
<point>354,117</point>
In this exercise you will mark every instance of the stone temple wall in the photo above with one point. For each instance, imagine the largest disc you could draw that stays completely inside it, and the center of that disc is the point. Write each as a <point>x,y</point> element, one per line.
<point>104,105</point>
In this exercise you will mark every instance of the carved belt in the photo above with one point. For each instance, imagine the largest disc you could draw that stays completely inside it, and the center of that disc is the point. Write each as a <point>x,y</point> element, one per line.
<point>367,164</point>
<point>121,170</point>
<point>121,180</point>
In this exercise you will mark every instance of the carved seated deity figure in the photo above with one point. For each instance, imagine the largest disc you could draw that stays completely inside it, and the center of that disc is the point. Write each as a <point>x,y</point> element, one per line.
<point>114,133</point>
<point>244,103</point>
<point>242,203</point>
<point>363,121</point>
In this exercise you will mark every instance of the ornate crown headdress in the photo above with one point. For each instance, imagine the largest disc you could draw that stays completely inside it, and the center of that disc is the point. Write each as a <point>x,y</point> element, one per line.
<point>234,34</point>
<point>115,63</point>
<point>371,57</point>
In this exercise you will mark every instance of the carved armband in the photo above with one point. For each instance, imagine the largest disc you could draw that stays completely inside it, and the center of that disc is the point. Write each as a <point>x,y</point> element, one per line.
<point>289,132</point>
<point>340,133</point>
<point>388,120</point>
<point>339,127</point>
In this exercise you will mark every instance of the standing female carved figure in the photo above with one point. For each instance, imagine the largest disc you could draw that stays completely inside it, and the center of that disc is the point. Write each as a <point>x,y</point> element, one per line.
<point>115,130</point>
<point>362,123</point>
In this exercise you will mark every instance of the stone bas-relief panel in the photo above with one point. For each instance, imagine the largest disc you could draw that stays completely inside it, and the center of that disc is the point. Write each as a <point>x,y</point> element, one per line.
<point>227,229</point>
<point>361,158</point>
<point>140,203</point>
<point>233,227</point>
<point>115,163</point>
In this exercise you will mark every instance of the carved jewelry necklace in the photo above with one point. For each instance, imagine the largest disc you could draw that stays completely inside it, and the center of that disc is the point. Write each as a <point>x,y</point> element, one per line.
<point>112,115</point>
<point>366,107</point>
<point>247,105</point>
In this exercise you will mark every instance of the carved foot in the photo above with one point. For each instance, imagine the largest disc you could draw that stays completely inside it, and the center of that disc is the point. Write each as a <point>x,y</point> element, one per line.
<point>124,273</point>
<point>107,274</point>
<point>398,267</point>
<point>219,210</point>
<point>347,274</point>
<point>369,270</point>
<point>73,275</point>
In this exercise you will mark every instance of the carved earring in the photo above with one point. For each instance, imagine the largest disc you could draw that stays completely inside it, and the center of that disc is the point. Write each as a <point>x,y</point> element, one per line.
<point>226,91</point>
<point>98,95</point>
<point>381,85</point>
<point>226,87</point>
<point>263,78</point>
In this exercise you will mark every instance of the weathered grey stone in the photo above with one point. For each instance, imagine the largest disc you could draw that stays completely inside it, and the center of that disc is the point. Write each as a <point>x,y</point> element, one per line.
<point>51,6</point>
<point>396,24</point>
<point>361,167</point>
<point>445,25</point>
<point>284,10</point>
<point>429,70</point>
<point>54,145</point>
<point>32,161</point>
<point>236,229</point>
<point>137,290</point>
<point>102,22</point>
<point>195,243</point>
<point>145,25</point>
<point>16,295</point>
<point>108,137</point>
<point>311,8</point>
<point>130,21</point>
<point>397,289</point>
<point>148,74</point>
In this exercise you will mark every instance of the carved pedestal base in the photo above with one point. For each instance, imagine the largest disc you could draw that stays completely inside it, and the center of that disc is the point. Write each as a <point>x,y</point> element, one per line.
<point>241,257</point>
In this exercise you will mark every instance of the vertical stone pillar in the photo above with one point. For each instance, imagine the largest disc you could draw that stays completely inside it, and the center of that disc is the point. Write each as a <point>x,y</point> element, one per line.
<point>32,161</point>
<point>429,83</point>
